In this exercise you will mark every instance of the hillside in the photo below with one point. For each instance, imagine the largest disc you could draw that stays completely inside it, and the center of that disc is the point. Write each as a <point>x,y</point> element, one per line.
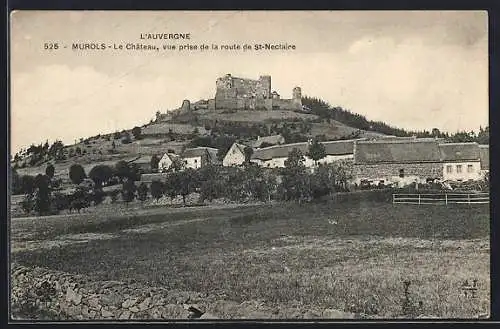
<point>201,127</point>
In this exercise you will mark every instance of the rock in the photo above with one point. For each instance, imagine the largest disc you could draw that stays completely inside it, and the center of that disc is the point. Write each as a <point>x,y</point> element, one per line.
<point>129,302</point>
<point>112,299</point>
<point>134,309</point>
<point>331,313</point>
<point>125,315</point>
<point>73,311</point>
<point>73,296</point>
<point>173,311</point>
<point>92,314</point>
<point>106,314</point>
<point>110,284</point>
<point>145,304</point>
<point>85,310</point>
<point>93,302</point>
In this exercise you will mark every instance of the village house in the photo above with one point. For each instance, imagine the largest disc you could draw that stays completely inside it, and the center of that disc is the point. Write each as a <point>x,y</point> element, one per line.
<point>397,161</point>
<point>271,140</point>
<point>235,156</point>
<point>461,161</point>
<point>199,157</point>
<point>166,161</point>
<point>275,156</point>
<point>484,154</point>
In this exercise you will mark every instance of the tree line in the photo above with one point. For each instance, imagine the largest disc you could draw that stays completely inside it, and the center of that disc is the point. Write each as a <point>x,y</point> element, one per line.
<point>326,111</point>
<point>249,182</point>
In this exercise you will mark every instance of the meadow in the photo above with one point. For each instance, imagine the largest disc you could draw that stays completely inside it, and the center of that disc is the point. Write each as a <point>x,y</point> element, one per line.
<point>349,256</point>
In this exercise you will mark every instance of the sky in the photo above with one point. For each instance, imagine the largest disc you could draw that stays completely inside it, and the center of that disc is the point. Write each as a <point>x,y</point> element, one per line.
<point>411,69</point>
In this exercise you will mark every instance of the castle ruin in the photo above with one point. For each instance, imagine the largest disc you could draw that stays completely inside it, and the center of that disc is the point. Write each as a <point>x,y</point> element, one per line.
<point>247,94</point>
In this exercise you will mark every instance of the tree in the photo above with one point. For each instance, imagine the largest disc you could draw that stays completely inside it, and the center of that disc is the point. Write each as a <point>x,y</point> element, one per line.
<point>316,151</point>
<point>80,199</point>
<point>128,191</point>
<point>157,189</point>
<point>76,173</point>
<point>122,170</point>
<point>98,195</point>
<point>50,171</point>
<point>295,183</point>
<point>15,181</point>
<point>142,192</point>
<point>100,174</point>
<point>42,195</point>
<point>155,161</point>
<point>28,203</point>
<point>126,138</point>
<point>248,154</point>
<point>187,183</point>
<point>27,184</point>
<point>136,131</point>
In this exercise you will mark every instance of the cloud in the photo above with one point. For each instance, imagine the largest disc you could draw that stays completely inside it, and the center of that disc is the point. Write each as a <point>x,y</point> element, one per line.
<point>58,102</point>
<point>412,82</point>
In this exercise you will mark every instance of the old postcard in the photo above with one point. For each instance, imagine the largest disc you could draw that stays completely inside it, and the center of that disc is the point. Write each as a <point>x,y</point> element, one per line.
<point>207,165</point>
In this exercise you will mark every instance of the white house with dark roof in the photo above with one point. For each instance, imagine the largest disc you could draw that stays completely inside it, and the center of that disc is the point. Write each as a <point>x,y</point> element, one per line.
<point>166,161</point>
<point>461,161</point>
<point>275,156</point>
<point>199,157</point>
<point>235,156</point>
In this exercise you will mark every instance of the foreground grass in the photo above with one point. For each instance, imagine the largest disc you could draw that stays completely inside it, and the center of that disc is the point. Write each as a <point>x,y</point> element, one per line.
<point>290,256</point>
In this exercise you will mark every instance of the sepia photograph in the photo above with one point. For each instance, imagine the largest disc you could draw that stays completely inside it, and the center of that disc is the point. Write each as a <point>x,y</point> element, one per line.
<point>249,165</point>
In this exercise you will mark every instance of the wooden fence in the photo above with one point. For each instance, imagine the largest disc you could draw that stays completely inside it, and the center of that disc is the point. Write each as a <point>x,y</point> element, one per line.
<point>444,198</point>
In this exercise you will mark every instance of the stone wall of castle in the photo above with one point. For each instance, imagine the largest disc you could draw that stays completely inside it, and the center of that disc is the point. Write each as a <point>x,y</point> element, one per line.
<point>247,94</point>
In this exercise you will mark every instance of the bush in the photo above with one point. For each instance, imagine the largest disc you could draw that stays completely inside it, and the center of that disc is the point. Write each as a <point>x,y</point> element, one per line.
<point>142,192</point>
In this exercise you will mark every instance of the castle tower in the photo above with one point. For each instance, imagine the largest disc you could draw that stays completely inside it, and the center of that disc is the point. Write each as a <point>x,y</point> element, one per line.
<point>297,97</point>
<point>264,86</point>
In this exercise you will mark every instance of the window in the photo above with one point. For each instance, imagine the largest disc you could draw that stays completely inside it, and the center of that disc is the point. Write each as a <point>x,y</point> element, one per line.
<point>469,168</point>
<point>449,169</point>
<point>459,169</point>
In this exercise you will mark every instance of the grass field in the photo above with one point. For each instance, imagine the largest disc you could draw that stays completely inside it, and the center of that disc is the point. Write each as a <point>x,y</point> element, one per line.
<point>350,256</point>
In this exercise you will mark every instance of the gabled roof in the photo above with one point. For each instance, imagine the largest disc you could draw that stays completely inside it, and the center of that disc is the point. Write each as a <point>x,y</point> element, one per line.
<point>459,151</point>
<point>199,151</point>
<point>396,151</point>
<point>279,151</point>
<point>240,147</point>
<point>484,153</point>
<point>340,147</point>
<point>171,156</point>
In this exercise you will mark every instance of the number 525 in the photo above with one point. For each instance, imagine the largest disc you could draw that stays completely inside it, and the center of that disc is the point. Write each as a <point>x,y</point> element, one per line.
<point>51,46</point>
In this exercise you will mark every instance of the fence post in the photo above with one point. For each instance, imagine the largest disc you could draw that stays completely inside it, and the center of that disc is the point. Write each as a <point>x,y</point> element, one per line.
<point>393,198</point>
<point>419,199</point>
<point>468,198</point>
<point>445,198</point>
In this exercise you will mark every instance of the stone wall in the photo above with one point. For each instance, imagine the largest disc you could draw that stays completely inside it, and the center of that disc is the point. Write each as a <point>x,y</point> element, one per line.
<point>42,294</point>
<point>386,171</point>
<point>62,296</point>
